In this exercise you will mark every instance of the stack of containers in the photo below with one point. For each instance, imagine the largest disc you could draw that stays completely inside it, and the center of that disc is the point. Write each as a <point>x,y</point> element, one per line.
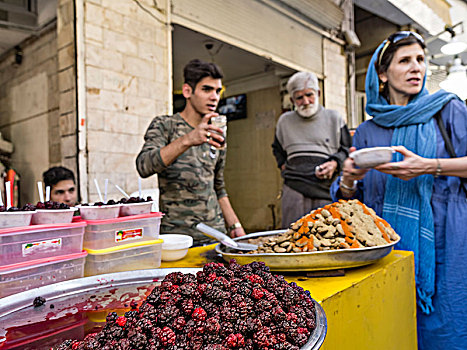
<point>123,244</point>
<point>37,255</point>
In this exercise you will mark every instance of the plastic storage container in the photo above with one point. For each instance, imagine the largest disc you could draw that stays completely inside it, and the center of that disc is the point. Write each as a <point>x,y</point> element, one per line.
<point>175,247</point>
<point>103,234</point>
<point>23,276</point>
<point>135,208</point>
<point>132,256</point>
<point>20,244</point>
<point>101,212</point>
<point>15,218</point>
<point>52,216</point>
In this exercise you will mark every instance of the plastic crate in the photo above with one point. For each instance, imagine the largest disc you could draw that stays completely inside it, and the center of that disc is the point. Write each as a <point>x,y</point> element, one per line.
<point>21,244</point>
<point>104,234</point>
<point>132,256</point>
<point>23,276</point>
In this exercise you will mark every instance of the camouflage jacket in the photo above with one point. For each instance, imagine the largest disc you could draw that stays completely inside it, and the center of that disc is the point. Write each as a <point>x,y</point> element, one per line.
<point>189,187</point>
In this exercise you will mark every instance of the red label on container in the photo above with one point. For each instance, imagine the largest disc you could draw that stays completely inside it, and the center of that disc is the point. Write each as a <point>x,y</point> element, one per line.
<point>128,235</point>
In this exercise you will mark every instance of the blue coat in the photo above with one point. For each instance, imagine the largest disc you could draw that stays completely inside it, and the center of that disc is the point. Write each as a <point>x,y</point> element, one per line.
<point>446,327</point>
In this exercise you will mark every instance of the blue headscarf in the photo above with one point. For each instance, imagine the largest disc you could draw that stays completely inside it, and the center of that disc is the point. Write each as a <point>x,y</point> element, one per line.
<point>407,204</point>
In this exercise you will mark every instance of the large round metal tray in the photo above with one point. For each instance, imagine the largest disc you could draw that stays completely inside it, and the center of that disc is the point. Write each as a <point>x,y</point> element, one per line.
<point>309,261</point>
<point>17,309</point>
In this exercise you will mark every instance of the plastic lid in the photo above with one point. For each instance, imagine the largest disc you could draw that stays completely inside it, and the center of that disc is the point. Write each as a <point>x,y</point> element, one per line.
<point>124,218</point>
<point>174,241</point>
<point>43,261</point>
<point>122,247</point>
<point>44,227</point>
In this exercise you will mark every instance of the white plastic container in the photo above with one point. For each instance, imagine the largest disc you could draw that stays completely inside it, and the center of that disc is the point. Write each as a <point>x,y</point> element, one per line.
<point>23,276</point>
<point>103,234</point>
<point>20,244</point>
<point>132,256</point>
<point>372,156</point>
<point>15,218</point>
<point>101,212</point>
<point>52,216</point>
<point>128,209</point>
<point>175,247</point>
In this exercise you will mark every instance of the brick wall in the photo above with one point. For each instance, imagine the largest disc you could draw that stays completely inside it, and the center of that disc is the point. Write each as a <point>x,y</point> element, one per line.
<point>127,76</point>
<point>29,109</point>
<point>335,72</point>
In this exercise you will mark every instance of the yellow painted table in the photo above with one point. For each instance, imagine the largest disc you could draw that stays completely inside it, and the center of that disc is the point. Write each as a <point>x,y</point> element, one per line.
<point>371,307</point>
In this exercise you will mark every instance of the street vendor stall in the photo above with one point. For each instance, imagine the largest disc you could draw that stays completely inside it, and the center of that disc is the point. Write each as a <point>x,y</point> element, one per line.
<point>370,307</point>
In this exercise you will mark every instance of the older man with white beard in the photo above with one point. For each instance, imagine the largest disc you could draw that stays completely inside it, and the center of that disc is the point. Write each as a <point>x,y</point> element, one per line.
<point>310,146</point>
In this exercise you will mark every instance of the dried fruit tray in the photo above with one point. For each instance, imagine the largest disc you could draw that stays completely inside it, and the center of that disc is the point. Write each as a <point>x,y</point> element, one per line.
<point>309,261</point>
<point>65,295</point>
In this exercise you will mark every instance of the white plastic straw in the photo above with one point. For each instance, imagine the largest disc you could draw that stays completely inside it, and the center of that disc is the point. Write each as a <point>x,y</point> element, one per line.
<point>1,199</point>
<point>122,191</point>
<point>106,185</point>
<point>8,194</point>
<point>98,190</point>
<point>47,193</point>
<point>139,187</point>
<point>41,191</point>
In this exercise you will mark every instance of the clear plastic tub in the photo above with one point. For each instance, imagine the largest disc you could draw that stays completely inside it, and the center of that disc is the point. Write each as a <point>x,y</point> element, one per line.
<point>20,244</point>
<point>52,216</point>
<point>103,234</point>
<point>15,218</point>
<point>132,256</point>
<point>128,209</point>
<point>17,278</point>
<point>101,212</point>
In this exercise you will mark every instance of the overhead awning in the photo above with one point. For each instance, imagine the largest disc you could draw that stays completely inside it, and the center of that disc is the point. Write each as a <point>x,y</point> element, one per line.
<point>429,16</point>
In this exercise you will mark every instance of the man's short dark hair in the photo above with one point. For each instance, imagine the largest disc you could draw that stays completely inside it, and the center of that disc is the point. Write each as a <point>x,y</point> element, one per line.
<point>56,174</point>
<point>195,70</point>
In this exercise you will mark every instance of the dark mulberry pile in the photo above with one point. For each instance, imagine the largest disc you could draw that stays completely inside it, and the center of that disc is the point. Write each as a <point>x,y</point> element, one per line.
<point>221,308</point>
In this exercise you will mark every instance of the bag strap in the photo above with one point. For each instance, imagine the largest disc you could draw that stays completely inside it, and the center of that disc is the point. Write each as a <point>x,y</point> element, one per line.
<point>449,146</point>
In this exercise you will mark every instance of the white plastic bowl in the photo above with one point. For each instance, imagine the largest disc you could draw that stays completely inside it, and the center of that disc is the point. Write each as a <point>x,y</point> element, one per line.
<point>52,216</point>
<point>128,209</point>
<point>175,247</point>
<point>371,157</point>
<point>101,212</point>
<point>15,218</point>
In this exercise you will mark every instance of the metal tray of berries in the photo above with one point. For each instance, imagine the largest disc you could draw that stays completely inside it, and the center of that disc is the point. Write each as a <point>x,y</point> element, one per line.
<point>306,261</point>
<point>61,299</point>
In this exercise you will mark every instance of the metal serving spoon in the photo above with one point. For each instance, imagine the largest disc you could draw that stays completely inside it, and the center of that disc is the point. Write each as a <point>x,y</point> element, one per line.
<point>224,239</point>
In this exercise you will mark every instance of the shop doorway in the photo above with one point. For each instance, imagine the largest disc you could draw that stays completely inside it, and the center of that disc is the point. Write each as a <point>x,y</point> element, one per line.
<point>251,175</point>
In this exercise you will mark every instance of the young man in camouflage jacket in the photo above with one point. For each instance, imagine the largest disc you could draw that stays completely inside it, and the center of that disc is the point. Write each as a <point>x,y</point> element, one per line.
<point>183,149</point>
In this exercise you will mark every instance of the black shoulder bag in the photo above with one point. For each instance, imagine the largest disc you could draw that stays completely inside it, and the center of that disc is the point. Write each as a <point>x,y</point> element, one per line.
<point>449,146</point>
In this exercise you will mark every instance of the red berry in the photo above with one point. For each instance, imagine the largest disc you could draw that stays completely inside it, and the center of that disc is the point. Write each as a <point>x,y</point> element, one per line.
<point>75,345</point>
<point>258,293</point>
<point>121,321</point>
<point>235,340</point>
<point>199,314</point>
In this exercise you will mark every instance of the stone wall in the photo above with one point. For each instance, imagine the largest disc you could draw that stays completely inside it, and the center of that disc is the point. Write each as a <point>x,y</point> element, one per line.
<point>67,83</point>
<point>335,73</point>
<point>126,78</point>
<point>29,109</point>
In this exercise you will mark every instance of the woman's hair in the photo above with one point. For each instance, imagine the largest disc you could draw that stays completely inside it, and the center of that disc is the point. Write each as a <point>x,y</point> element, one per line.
<point>196,70</point>
<point>383,62</point>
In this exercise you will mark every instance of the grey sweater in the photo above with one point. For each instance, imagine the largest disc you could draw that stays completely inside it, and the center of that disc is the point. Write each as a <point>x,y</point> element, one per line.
<point>302,144</point>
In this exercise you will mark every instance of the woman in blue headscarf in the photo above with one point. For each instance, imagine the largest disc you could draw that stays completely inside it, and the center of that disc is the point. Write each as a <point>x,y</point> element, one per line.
<point>420,194</point>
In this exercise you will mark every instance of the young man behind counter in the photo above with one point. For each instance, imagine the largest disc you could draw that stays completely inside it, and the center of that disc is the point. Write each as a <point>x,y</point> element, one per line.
<point>183,149</point>
<point>62,185</point>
